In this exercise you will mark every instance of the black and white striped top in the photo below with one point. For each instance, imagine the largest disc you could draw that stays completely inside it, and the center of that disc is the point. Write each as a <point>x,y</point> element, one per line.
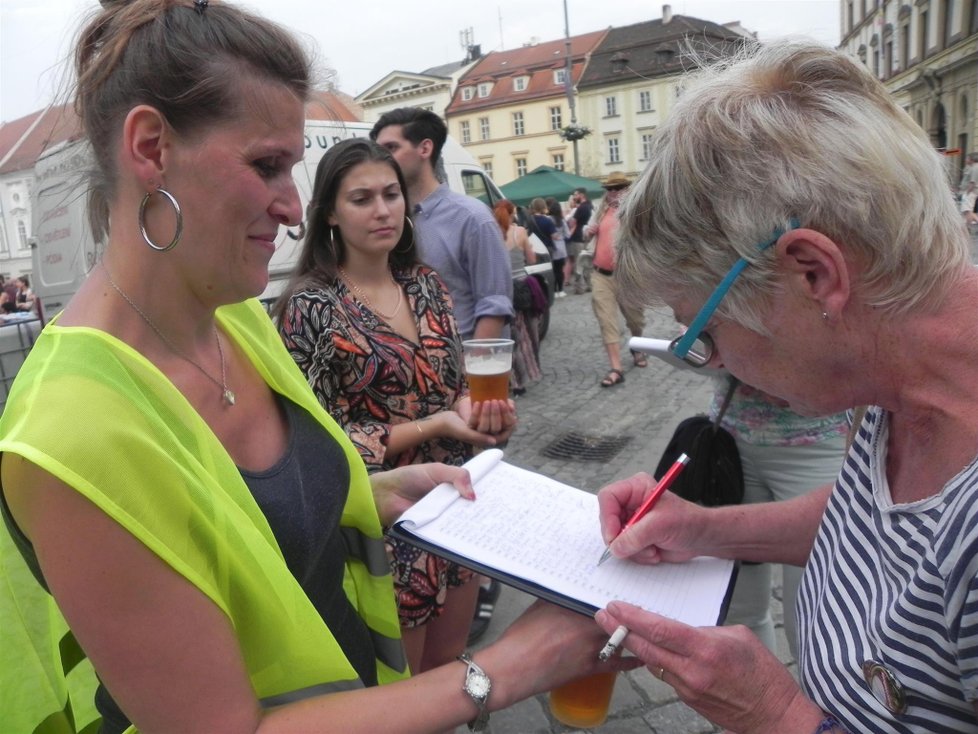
<point>897,584</point>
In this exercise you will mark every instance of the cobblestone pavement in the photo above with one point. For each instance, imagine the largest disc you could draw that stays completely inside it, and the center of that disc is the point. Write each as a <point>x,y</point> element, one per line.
<point>645,409</point>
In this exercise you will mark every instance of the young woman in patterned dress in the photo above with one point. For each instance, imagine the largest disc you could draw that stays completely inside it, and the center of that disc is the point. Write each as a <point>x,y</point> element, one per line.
<point>373,330</point>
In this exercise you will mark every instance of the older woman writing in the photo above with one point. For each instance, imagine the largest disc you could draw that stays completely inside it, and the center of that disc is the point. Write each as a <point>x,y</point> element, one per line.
<point>831,270</point>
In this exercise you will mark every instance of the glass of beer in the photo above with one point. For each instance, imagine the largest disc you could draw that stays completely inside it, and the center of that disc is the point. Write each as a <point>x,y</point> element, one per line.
<point>583,703</point>
<point>488,363</point>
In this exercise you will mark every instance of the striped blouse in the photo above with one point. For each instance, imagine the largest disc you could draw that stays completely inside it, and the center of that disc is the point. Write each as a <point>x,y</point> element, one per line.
<point>898,585</point>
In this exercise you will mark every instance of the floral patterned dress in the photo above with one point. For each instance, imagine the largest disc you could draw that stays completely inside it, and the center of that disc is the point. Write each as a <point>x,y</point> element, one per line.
<point>370,378</point>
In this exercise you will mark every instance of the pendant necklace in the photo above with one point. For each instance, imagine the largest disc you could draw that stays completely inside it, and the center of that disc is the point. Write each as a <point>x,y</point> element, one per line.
<point>226,393</point>
<point>366,301</point>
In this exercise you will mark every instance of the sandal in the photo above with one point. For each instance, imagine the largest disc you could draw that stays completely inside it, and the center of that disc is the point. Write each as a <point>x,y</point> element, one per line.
<point>639,358</point>
<point>614,377</point>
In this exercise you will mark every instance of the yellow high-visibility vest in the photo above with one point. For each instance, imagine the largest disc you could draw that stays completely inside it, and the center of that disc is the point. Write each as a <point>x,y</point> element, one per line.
<point>97,415</point>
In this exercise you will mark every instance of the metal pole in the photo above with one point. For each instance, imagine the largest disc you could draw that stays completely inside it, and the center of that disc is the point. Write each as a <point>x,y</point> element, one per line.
<point>569,87</point>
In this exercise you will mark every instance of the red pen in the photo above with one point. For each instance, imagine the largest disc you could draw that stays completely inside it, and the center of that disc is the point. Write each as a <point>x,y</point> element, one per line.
<point>668,478</point>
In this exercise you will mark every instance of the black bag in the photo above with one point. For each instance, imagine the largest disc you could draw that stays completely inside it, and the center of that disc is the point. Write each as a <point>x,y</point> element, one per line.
<point>714,475</point>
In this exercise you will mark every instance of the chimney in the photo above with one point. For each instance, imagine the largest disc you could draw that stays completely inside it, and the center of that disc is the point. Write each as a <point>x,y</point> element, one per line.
<point>666,14</point>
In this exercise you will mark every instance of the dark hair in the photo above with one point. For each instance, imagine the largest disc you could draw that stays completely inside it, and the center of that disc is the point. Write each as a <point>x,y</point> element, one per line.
<point>580,190</point>
<point>23,279</point>
<point>324,250</point>
<point>416,125</point>
<point>186,62</point>
<point>554,210</point>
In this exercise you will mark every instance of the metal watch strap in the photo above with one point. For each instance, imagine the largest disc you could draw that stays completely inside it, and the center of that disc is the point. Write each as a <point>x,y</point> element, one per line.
<point>477,685</point>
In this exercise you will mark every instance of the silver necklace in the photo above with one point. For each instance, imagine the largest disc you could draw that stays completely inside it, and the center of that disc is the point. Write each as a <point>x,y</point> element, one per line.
<point>226,393</point>
<point>366,301</point>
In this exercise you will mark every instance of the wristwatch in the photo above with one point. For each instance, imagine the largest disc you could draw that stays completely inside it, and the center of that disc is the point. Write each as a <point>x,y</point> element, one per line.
<point>477,685</point>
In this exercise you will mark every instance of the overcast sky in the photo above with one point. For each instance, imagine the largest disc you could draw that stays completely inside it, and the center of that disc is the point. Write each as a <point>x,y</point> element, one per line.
<point>378,36</point>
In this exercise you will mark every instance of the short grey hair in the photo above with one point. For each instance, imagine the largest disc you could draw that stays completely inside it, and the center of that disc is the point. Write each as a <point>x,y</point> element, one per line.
<point>789,130</point>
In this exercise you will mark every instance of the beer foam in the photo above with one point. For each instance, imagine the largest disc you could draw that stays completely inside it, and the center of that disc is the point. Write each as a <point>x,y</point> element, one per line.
<point>488,365</point>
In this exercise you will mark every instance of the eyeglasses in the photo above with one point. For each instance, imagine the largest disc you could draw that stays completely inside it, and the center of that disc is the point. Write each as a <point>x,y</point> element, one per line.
<point>696,347</point>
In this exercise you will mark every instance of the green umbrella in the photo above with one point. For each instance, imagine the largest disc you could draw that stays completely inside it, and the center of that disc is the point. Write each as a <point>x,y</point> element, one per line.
<point>545,181</point>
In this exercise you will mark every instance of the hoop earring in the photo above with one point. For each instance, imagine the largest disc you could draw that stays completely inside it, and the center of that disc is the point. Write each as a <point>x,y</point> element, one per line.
<point>142,220</point>
<point>407,249</point>
<point>300,234</point>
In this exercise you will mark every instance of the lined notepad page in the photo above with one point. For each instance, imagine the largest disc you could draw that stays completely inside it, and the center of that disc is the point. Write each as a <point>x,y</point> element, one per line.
<point>547,532</point>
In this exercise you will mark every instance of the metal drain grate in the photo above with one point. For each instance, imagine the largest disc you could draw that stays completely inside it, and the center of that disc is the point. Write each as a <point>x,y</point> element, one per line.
<point>585,448</point>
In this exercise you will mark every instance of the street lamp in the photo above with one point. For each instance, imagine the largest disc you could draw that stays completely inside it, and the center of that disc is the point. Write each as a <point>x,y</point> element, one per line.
<point>569,88</point>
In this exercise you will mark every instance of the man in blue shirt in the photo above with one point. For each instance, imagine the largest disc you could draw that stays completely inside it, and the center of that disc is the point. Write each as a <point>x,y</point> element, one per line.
<point>456,234</point>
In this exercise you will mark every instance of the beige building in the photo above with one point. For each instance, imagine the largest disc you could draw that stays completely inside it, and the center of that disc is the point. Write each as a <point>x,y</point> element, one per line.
<point>430,89</point>
<point>510,108</point>
<point>926,53</point>
<point>631,82</point>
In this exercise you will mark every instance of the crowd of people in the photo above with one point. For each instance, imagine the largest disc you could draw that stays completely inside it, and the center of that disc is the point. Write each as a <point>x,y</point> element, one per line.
<point>197,497</point>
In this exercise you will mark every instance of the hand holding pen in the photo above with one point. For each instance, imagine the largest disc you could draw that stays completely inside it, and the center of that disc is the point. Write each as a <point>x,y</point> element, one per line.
<point>611,647</point>
<point>668,478</point>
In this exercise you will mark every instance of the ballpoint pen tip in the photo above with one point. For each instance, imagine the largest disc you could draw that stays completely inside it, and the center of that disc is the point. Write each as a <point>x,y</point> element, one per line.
<point>605,556</point>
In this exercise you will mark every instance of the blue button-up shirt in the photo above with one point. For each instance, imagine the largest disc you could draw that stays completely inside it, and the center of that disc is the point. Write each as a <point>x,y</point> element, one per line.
<point>459,237</point>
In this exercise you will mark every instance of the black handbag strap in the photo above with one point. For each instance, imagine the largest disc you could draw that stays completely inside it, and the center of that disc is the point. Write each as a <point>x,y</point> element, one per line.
<point>726,402</point>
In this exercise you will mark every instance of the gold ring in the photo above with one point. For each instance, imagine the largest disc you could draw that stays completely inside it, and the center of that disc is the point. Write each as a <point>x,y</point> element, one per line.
<point>660,673</point>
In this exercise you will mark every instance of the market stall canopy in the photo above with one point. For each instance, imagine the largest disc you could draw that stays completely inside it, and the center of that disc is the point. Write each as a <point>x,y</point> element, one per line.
<point>546,181</point>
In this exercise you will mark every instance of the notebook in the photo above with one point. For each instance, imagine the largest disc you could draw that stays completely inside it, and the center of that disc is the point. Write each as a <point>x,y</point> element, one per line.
<point>542,536</point>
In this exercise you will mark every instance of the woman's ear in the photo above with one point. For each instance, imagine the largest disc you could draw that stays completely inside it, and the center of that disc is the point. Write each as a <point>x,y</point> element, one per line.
<point>815,266</point>
<point>144,142</point>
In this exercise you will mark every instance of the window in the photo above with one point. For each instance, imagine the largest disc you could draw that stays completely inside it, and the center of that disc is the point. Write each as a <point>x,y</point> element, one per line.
<point>467,93</point>
<point>876,63</point>
<point>948,8</point>
<point>22,234</point>
<point>484,89</point>
<point>484,128</point>
<point>923,35</point>
<point>518,123</point>
<point>887,59</point>
<point>487,165</point>
<point>647,139</point>
<point>559,161</point>
<point>556,118</point>
<point>645,101</point>
<point>520,83</point>
<point>611,106</point>
<point>464,132</point>
<point>614,154</point>
<point>475,185</point>
<point>905,47</point>
<point>520,167</point>
<point>560,77</point>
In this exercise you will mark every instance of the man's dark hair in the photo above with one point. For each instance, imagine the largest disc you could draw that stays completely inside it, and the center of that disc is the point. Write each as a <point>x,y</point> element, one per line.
<point>580,190</point>
<point>416,125</point>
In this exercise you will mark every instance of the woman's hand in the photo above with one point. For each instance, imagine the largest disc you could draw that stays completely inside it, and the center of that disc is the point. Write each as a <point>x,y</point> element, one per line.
<point>496,418</point>
<point>484,424</point>
<point>671,532</point>
<point>545,647</point>
<point>724,673</point>
<point>398,489</point>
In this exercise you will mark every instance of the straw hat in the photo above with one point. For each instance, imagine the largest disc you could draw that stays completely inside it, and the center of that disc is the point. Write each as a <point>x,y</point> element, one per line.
<point>616,180</point>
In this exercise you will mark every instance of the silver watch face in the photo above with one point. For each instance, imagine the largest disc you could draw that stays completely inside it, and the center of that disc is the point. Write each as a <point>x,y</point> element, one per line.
<point>477,684</point>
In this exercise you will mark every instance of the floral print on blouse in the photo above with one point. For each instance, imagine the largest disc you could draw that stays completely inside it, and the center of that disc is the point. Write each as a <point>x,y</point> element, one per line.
<point>370,377</point>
